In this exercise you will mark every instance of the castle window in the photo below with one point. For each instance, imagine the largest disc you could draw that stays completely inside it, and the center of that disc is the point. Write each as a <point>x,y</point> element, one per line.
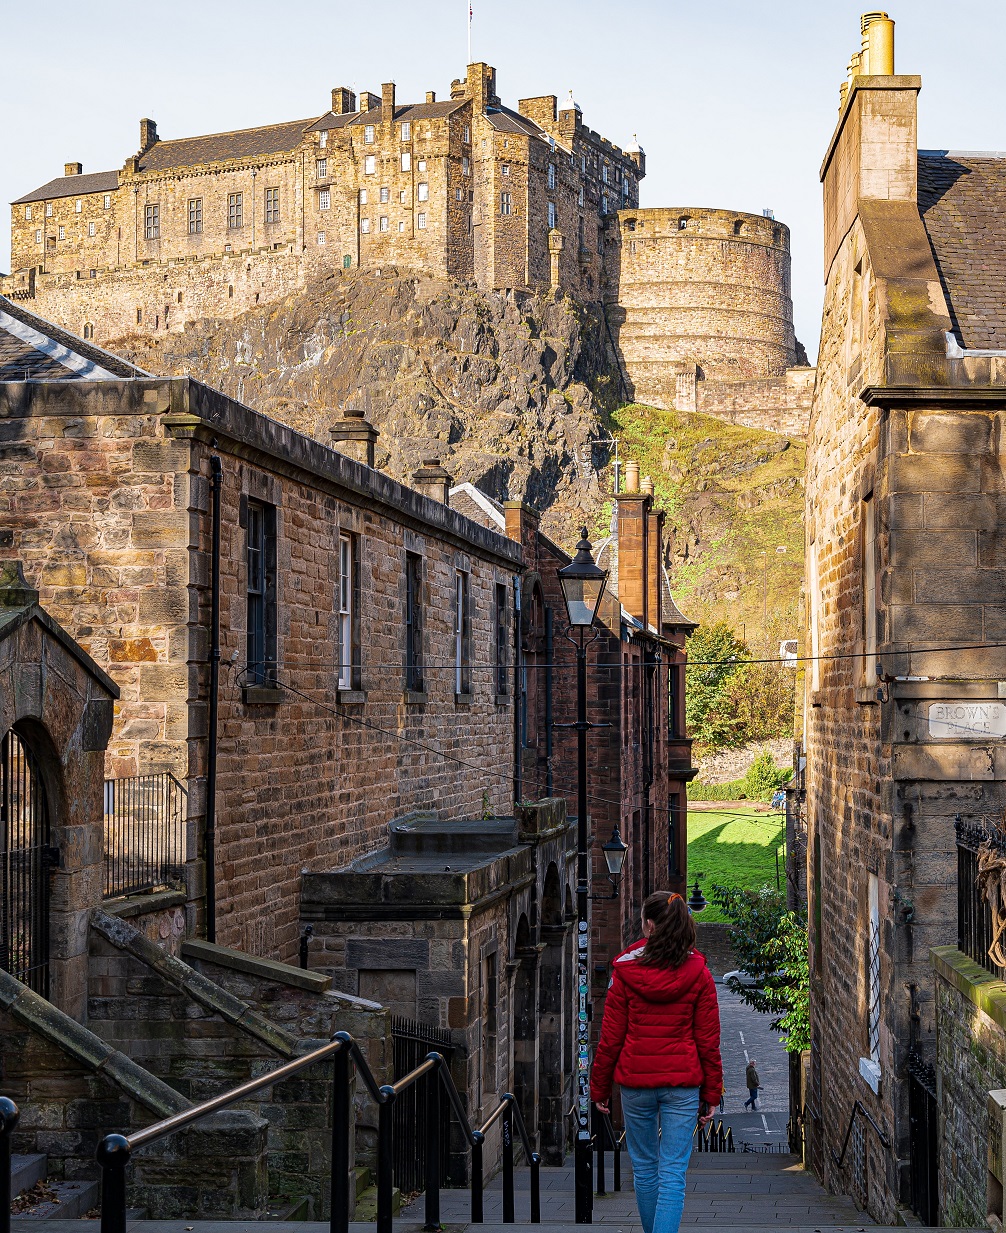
<point>551,175</point>
<point>92,229</point>
<point>230,291</point>
<point>737,226</point>
<point>406,161</point>
<point>363,196</point>
<point>385,194</point>
<point>625,190</point>
<point>78,205</point>
<point>401,226</point>
<point>349,586</point>
<point>465,165</point>
<point>62,233</point>
<point>48,209</point>
<point>369,165</point>
<point>413,621</point>
<point>27,213</point>
<point>38,235</point>
<point>504,169</point>
<point>604,173</point>
<point>406,130</point>
<point>235,210</point>
<point>459,194</point>
<point>321,168</point>
<point>139,316</point>
<point>272,205</point>
<point>260,592</point>
<point>604,205</point>
<point>365,225</point>
<point>467,134</point>
<point>403,197</point>
<point>179,297</point>
<point>323,138</point>
<point>580,196</point>
<point>551,215</point>
<point>506,203</point>
<point>462,634</point>
<point>423,191</point>
<point>368,134</point>
<point>583,164</point>
<point>88,330</point>
<point>347,261</point>
<point>421,221</point>
<point>321,238</point>
<point>683,223</point>
<point>195,215</point>
<point>383,224</point>
<point>92,274</point>
<point>776,233</point>
<point>108,201</point>
<point>324,199</point>
<point>421,165</point>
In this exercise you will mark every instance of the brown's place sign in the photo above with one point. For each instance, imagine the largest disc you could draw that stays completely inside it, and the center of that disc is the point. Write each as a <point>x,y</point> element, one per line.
<point>967,720</point>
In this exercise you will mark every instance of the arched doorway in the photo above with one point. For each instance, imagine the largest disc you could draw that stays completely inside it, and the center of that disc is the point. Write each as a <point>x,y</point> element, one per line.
<point>25,860</point>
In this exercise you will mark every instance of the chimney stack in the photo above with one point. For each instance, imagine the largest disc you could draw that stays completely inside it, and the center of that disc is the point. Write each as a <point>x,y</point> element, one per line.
<point>355,436</point>
<point>73,169</point>
<point>431,96</point>
<point>343,101</point>
<point>633,517</point>
<point>654,566</point>
<point>433,481</point>
<point>148,135</point>
<point>369,101</point>
<point>388,102</point>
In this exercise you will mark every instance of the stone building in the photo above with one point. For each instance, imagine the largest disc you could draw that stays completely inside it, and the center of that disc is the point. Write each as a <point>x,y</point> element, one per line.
<point>903,719</point>
<point>464,187</point>
<point>701,313</point>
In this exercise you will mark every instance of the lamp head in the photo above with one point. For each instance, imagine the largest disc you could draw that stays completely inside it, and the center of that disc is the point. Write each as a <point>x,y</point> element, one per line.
<point>582,584</point>
<point>697,901</point>
<point>614,853</point>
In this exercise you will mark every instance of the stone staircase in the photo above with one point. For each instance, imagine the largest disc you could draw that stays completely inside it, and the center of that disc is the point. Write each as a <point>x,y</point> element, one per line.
<point>44,1199</point>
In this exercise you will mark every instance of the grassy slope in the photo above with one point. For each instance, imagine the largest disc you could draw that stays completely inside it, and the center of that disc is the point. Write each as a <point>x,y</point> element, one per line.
<point>734,846</point>
<point>733,497</point>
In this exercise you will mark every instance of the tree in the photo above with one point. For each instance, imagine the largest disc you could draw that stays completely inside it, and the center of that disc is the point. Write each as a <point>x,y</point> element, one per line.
<point>715,657</point>
<point>771,947</point>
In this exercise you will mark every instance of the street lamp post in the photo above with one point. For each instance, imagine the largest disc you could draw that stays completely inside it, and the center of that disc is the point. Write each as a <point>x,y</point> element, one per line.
<point>582,587</point>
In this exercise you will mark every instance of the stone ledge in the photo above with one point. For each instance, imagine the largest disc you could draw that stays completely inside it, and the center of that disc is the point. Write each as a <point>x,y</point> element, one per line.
<point>126,906</point>
<point>262,695</point>
<point>352,697</point>
<point>267,969</point>
<point>972,981</point>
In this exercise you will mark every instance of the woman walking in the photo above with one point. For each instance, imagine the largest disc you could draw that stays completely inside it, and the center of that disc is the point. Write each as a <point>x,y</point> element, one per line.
<point>660,1041</point>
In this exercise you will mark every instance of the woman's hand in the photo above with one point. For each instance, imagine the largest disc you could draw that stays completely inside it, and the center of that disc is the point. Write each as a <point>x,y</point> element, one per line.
<point>604,1107</point>
<point>705,1113</point>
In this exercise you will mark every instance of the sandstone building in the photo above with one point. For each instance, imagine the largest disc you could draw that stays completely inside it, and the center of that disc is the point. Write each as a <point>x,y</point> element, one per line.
<point>904,721</point>
<point>464,187</point>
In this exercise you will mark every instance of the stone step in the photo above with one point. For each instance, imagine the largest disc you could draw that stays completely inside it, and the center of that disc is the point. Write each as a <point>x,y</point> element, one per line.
<point>363,1181</point>
<point>25,1171</point>
<point>65,1201</point>
<point>366,1204</point>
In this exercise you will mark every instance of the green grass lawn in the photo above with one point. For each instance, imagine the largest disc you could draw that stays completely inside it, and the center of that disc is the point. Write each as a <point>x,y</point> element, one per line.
<point>734,846</point>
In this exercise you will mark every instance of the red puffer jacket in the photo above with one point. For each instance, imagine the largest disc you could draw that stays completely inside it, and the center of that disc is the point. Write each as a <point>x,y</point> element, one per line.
<point>661,1028</point>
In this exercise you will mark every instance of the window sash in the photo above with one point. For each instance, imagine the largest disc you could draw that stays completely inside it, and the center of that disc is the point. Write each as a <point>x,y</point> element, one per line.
<point>235,210</point>
<point>272,205</point>
<point>151,222</point>
<point>195,215</point>
<point>413,622</point>
<point>501,638</point>
<point>346,613</point>
<point>261,592</point>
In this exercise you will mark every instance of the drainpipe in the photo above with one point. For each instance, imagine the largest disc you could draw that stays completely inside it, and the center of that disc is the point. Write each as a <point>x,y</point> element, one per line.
<point>211,744</point>
<point>518,696</point>
<point>548,701</point>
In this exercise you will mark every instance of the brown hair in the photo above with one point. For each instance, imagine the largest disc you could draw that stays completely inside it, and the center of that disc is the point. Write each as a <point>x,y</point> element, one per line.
<point>673,936</point>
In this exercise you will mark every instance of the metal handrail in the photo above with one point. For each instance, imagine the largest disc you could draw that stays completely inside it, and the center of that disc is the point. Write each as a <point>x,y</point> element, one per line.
<point>858,1107</point>
<point>114,1150</point>
<point>617,1142</point>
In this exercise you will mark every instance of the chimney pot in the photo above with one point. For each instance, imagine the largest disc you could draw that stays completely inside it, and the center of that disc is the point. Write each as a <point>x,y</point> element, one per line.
<point>352,413</point>
<point>73,169</point>
<point>632,477</point>
<point>880,50</point>
<point>433,481</point>
<point>647,486</point>
<point>355,436</point>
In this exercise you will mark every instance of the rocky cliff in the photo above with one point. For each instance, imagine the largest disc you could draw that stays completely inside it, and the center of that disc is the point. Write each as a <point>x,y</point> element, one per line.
<point>505,390</point>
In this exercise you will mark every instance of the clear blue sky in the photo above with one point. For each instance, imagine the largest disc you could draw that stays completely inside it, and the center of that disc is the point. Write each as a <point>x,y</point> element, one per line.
<point>733,101</point>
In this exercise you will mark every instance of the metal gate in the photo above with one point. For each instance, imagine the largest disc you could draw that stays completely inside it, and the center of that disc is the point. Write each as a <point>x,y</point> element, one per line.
<point>413,1041</point>
<point>25,861</point>
<point>923,1129</point>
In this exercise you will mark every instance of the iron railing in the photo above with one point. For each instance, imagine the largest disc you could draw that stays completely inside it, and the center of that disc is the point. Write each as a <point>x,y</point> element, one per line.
<point>604,1136</point>
<point>713,1138</point>
<point>26,862</point>
<point>144,833</point>
<point>859,1110</point>
<point>412,1042</point>
<point>974,913</point>
<point>115,1150</point>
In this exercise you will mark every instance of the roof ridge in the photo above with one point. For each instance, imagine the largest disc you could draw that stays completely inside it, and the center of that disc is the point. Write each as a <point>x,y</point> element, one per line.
<point>229,132</point>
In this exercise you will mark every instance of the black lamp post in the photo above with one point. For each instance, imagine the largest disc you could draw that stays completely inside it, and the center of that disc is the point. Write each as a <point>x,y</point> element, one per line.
<point>582,584</point>
<point>697,901</point>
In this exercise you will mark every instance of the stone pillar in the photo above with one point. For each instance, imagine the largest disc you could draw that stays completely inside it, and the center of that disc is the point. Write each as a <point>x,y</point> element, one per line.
<point>556,243</point>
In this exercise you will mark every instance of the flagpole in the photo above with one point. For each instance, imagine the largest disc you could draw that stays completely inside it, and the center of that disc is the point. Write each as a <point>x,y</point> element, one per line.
<point>469,32</point>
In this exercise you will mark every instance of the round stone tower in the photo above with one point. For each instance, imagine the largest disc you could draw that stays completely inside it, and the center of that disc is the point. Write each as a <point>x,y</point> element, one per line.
<point>699,294</point>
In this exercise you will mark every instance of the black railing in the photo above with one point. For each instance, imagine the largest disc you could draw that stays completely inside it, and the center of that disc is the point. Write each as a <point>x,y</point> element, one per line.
<point>8,1121</point>
<point>115,1150</point>
<point>144,833</point>
<point>412,1043</point>
<point>976,936</point>
<point>858,1110</point>
<point>714,1138</point>
<point>923,1139</point>
<point>605,1137</point>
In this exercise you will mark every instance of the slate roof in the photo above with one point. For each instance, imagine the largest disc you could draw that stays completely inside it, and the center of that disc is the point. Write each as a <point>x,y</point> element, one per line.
<point>407,111</point>
<point>73,186</point>
<point>32,349</point>
<point>506,121</point>
<point>962,199</point>
<point>242,143</point>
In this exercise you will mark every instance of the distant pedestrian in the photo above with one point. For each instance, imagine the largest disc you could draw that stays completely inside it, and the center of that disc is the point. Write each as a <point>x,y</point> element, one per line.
<point>753,1086</point>
<point>660,1041</point>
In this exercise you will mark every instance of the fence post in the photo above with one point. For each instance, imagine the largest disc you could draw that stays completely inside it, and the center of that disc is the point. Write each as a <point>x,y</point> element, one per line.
<point>113,1156</point>
<point>478,1138</point>
<point>385,1159</point>
<point>9,1116</point>
<point>508,1207</point>
<point>339,1182</point>
<point>535,1188</point>
<point>433,1081</point>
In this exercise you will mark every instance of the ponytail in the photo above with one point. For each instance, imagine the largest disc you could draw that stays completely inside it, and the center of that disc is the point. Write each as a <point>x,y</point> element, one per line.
<point>673,936</point>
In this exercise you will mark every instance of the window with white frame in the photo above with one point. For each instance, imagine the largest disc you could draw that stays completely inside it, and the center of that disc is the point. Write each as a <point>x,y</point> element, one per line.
<point>321,238</point>
<point>459,194</point>
<point>321,168</point>
<point>406,161</point>
<point>406,130</point>
<point>369,165</point>
<point>108,201</point>
<point>423,191</point>
<point>506,203</point>
<point>583,164</point>
<point>235,210</point>
<point>465,165</point>
<point>363,196</point>
<point>78,206</point>
<point>48,209</point>
<point>383,222</point>
<point>62,233</point>
<point>604,174</point>
<point>467,134</point>
<point>873,970</point>
<point>504,169</point>
<point>272,205</point>
<point>462,635</point>
<point>195,215</point>
<point>324,199</point>
<point>385,195</point>
<point>38,235</point>
<point>421,165</point>
<point>323,138</point>
<point>551,175</point>
<point>347,576</point>
<point>403,197</point>
<point>579,199</point>
<point>869,529</point>
<point>92,229</point>
<point>551,215</point>
<point>368,134</point>
<point>364,225</point>
<point>27,213</point>
<point>401,226</point>
<point>421,221</point>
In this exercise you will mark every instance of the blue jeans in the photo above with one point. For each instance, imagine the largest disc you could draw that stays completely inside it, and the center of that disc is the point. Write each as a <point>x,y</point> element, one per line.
<point>659,1160</point>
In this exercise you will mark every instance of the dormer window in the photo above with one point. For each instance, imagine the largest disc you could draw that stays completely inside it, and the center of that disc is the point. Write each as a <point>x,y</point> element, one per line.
<point>323,138</point>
